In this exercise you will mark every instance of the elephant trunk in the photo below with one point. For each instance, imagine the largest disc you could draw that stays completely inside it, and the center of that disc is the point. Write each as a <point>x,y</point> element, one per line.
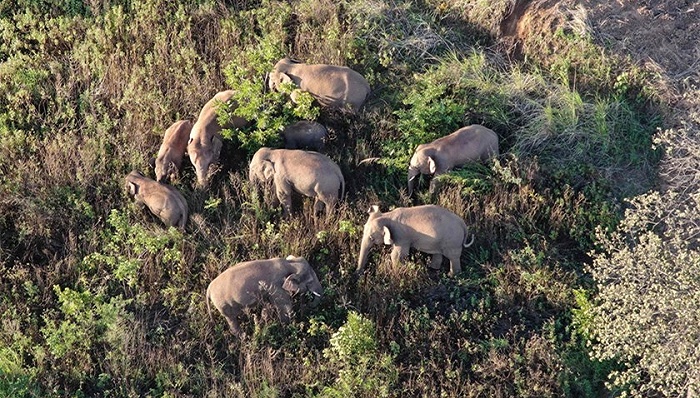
<point>201,176</point>
<point>412,176</point>
<point>251,175</point>
<point>317,298</point>
<point>364,255</point>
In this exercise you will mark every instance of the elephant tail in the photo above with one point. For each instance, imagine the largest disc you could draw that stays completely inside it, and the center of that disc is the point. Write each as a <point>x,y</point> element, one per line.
<point>208,307</point>
<point>342,185</point>
<point>466,233</point>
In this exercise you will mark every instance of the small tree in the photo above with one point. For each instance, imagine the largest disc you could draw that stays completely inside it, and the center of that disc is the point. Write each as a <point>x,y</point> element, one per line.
<point>647,311</point>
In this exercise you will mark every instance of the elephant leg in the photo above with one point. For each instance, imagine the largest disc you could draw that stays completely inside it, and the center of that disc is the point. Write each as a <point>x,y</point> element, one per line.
<point>455,266</point>
<point>436,261</point>
<point>284,194</point>
<point>319,205</point>
<point>399,254</point>
<point>231,316</point>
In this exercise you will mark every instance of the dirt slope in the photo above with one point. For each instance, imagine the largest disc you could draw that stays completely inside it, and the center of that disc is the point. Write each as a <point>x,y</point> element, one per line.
<point>660,35</point>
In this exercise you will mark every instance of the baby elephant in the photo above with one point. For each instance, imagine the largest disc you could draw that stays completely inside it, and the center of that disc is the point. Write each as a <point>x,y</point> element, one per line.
<point>305,135</point>
<point>277,279</point>
<point>172,150</point>
<point>163,200</point>
<point>473,143</point>
<point>309,173</point>
<point>429,228</point>
<point>330,85</point>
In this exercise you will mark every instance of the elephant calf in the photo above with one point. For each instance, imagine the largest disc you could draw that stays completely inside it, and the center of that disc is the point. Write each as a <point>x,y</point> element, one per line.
<point>330,85</point>
<point>309,173</point>
<point>204,146</point>
<point>172,150</point>
<point>429,228</point>
<point>305,135</point>
<point>163,200</point>
<point>276,279</point>
<point>473,143</point>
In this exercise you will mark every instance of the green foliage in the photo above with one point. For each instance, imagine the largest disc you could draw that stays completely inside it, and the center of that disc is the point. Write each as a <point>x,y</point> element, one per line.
<point>129,246</point>
<point>88,320</point>
<point>270,111</point>
<point>362,368</point>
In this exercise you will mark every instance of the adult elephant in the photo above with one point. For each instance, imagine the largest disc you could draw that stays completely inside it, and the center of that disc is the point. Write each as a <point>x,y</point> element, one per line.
<point>473,143</point>
<point>331,85</point>
<point>204,146</point>
<point>429,228</point>
<point>307,172</point>
<point>277,280</point>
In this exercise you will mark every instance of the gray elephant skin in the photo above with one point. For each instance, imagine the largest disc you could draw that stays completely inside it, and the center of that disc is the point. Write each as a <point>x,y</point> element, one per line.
<point>429,228</point>
<point>305,134</point>
<point>473,143</point>
<point>331,85</point>
<point>166,202</point>
<point>172,150</point>
<point>309,173</point>
<point>205,141</point>
<point>277,280</point>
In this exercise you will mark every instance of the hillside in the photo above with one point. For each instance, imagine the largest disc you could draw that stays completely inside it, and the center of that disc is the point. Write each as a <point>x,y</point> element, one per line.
<point>582,279</point>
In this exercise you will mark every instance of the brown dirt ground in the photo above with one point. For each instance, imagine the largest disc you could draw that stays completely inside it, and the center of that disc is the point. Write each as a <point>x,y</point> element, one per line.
<point>660,35</point>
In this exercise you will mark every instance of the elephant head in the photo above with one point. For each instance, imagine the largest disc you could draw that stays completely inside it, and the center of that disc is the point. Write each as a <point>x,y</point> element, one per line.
<point>422,162</point>
<point>172,150</point>
<point>261,169</point>
<point>279,75</point>
<point>203,152</point>
<point>303,280</point>
<point>376,231</point>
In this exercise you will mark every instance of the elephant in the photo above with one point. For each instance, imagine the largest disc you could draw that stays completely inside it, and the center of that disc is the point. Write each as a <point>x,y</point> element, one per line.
<point>428,228</point>
<point>309,173</point>
<point>331,85</point>
<point>276,279</point>
<point>163,200</point>
<point>172,150</point>
<point>305,135</point>
<point>473,143</point>
<point>205,141</point>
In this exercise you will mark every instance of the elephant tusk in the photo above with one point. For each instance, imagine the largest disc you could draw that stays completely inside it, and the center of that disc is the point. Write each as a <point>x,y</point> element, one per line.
<point>316,294</point>
<point>413,178</point>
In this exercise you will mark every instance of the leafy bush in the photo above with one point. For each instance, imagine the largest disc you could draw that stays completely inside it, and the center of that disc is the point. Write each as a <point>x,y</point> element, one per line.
<point>646,308</point>
<point>362,369</point>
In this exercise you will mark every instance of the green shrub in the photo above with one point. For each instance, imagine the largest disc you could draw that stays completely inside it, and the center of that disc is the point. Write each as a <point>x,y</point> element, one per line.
<point>363,370</point>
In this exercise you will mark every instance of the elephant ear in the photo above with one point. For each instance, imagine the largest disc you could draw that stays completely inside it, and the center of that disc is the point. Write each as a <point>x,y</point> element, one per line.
<point>133,188</point>
<point>268,169</point>
<point>284,78</point>
<point>291,284</point>
<point>432,165</point>
<point>388,240</point>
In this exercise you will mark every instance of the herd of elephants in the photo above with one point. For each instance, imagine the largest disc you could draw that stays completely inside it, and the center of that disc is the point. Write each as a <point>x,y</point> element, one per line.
<point>428,228</point>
